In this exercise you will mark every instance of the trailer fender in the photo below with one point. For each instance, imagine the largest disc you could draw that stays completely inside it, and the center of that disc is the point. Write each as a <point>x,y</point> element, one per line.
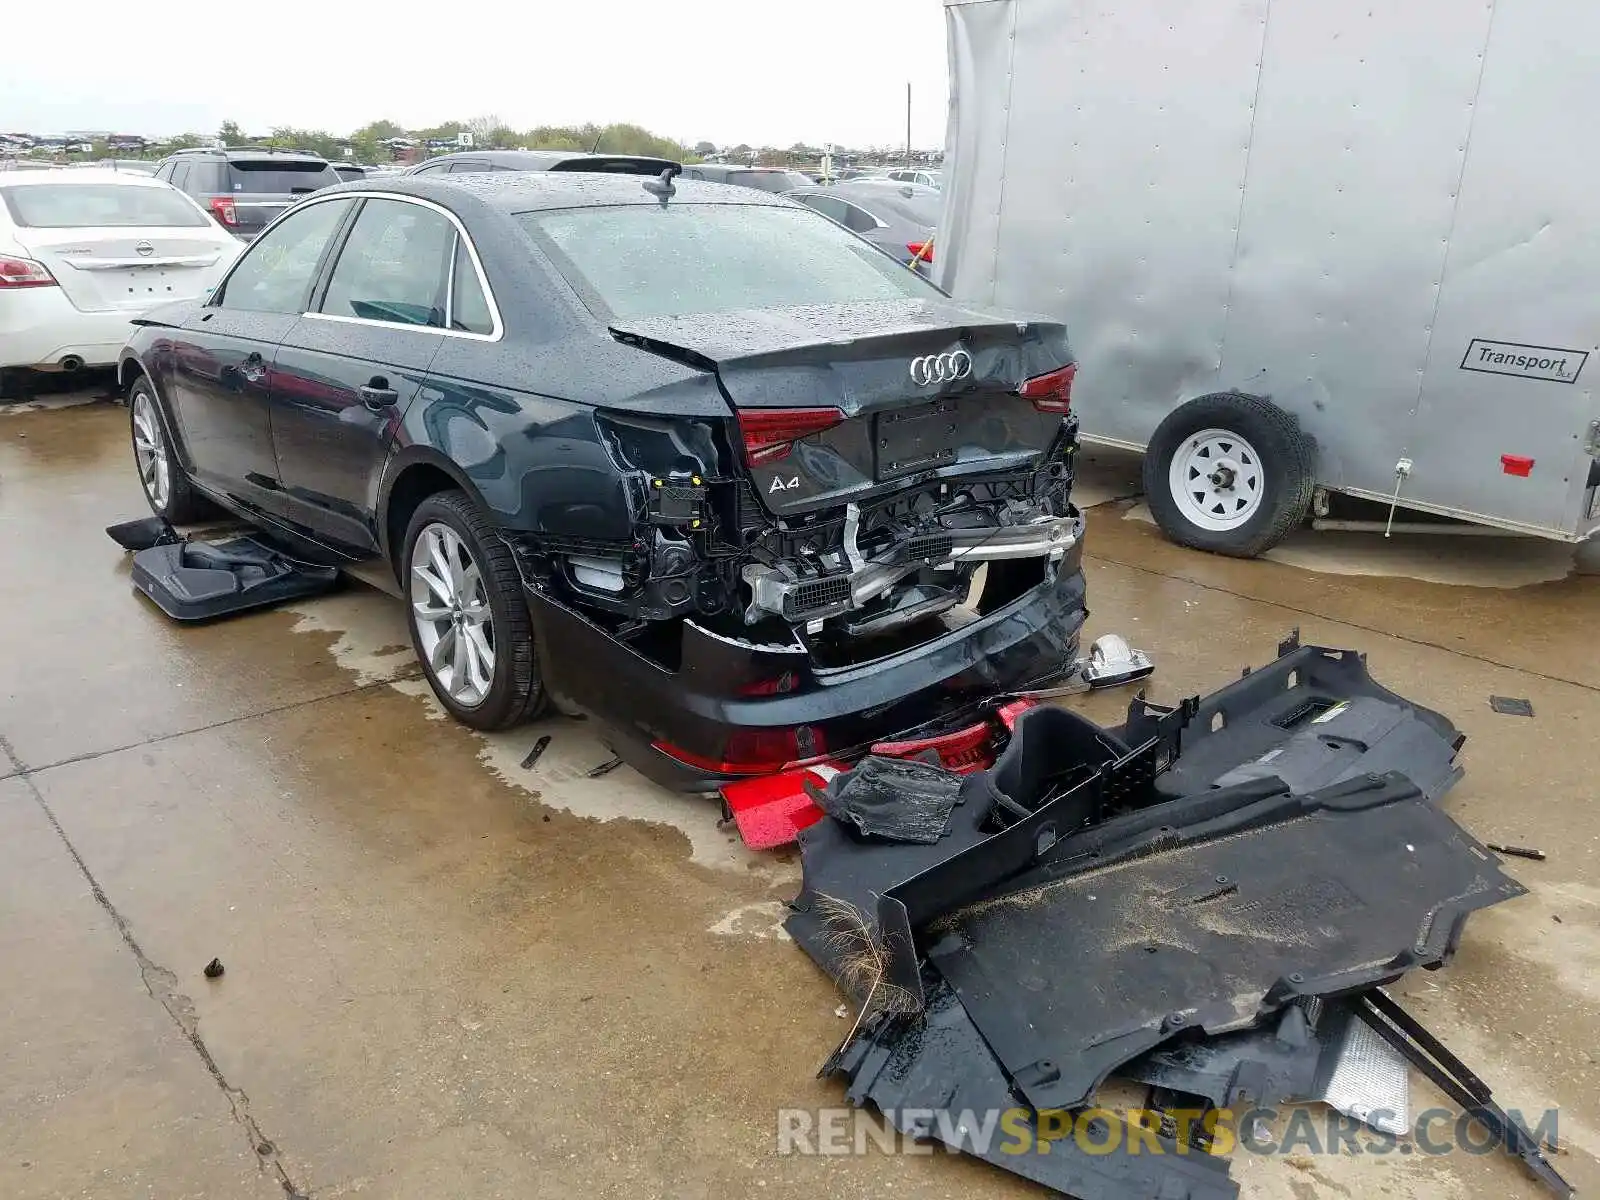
<point>1231,473</point>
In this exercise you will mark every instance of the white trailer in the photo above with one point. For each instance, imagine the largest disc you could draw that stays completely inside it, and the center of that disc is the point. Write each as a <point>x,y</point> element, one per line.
<point>1303,246</point>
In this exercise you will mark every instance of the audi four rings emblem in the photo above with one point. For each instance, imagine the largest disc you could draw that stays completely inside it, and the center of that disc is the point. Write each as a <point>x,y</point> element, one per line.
<point>941,368</point>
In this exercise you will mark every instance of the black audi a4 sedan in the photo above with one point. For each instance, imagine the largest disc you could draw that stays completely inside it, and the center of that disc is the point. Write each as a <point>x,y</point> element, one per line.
<point>692,460</point>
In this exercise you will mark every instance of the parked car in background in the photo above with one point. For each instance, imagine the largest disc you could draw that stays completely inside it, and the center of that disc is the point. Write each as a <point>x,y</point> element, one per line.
<point>620,453</point>
<point>349,171</point>
<point>139,166</point>
<point>765,179</point>
<point>476,162</point>
<point>82,252</point>
<point>245,189</point>
<point>933,179</point>
<point>898,218</point>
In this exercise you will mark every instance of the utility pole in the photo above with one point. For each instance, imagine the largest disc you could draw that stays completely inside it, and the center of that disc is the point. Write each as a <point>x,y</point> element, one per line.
<point>908,124</point>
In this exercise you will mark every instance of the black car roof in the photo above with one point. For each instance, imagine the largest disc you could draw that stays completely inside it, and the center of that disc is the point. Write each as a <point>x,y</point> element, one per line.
<point>263,152</point>
<point>530,191</point>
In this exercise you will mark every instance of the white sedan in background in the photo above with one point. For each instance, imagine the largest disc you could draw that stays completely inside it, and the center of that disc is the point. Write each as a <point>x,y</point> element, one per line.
<point>83,252</point>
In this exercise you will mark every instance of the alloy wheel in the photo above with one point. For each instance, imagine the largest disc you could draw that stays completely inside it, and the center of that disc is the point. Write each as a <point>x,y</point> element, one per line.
<point>150,452</point>
<point>450,606</point>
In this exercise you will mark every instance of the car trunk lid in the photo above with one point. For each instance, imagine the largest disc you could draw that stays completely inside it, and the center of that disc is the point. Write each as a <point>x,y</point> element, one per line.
<point>126,269</point>
<point>844,402</point>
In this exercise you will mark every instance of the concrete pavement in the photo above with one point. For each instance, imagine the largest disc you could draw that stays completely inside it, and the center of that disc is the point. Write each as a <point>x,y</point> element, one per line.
<point>448,975</point>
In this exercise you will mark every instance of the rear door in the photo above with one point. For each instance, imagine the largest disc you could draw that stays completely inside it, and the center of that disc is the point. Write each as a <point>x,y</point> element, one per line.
<point>1507,424</point>
<point>223,356</point>
<point>119,247</point>
<point>347,372</point>
<point>261,188</point>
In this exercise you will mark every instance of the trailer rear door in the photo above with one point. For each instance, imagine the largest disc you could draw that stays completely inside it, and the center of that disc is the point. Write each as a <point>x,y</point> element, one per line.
<point>1508,392</point>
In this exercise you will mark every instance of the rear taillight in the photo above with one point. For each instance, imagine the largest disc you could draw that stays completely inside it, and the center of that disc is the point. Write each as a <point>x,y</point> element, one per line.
<point>769,434</point>
<point>24,272</point>
<point>222,209</point>
<point>1052,392</point>
<point>755,751</point>
<point>921,250</point>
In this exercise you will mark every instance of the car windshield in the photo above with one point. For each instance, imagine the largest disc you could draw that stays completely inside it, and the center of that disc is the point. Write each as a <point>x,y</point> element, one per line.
<point>660,261</point>
<point>283,178</point>
<point>97,205</point>
<point>768,181</point>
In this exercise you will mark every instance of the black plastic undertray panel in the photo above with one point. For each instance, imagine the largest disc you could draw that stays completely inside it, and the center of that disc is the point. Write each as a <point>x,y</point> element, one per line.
<point>1313,717</point>
<point>200,581</point>
<point>1128,934</point>
<point>933,1075</point>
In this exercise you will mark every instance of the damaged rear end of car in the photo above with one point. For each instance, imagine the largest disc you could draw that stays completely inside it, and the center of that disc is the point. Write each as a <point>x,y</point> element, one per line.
<point>869,531</point>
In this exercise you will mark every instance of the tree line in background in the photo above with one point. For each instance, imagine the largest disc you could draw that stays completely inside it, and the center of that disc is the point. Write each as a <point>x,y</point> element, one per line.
<point>386,141</point>
<point>372,143</point>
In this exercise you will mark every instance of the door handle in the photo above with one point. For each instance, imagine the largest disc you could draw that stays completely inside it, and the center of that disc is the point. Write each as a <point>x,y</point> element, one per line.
<point>377,395</point>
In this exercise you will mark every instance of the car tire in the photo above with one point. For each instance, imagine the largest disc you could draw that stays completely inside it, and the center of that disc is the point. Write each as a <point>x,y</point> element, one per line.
<point>469,622</point>
<point>166,488</point>
<point>1229,473</point>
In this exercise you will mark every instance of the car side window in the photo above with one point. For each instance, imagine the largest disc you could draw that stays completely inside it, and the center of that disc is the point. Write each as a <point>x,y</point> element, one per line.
<point>180,175</point>
<point>276,272</point>
<point>431,169</point>
<point>469,307</point>
<point>858,219</point>
<point>465,168</point>
<point>394,266</point>
<point>693,173</point>
<point>164,171</point>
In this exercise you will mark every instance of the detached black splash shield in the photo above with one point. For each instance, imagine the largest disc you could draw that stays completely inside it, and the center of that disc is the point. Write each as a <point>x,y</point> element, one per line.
<point>1209,920</point>
<point>1102,892</point>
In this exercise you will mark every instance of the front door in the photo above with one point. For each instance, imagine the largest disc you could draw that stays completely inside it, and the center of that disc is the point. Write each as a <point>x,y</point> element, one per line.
<point>348,370</point>
<point>224,357</point>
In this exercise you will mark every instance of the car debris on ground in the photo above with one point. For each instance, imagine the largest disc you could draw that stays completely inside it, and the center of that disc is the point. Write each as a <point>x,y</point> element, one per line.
<point>1207,900</point>
<point>1511,706</point>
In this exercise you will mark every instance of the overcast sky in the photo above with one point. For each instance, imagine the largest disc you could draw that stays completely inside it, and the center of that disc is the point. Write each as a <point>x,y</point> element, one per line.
<point>770,72</point>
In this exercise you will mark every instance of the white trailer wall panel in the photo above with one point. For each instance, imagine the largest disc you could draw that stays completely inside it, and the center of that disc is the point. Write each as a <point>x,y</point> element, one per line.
<point>1320,201</point>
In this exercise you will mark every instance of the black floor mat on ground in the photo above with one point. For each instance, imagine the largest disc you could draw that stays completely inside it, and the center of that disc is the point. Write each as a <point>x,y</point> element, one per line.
<point>897,799</point>
<point>1312,718</point>
<point>1131,933</point>
<point>932,1075</point>
<point>198,581</point>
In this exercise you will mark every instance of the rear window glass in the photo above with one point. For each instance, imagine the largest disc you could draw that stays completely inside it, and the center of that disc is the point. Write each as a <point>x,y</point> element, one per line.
<point>614,166</point>
<point>91,205</point>
<point>920,208</point>
<point>768,181</point>
<point>655,261</point>
<point>284,178</point>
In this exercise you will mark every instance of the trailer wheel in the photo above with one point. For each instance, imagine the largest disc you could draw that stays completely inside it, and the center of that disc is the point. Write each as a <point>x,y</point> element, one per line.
<point>1229,473</point>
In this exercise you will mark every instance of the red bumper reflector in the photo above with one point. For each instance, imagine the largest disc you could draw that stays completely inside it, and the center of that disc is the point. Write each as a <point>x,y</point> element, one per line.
<point>772,810</point>
<point>963,751</point>
<point>1516,464</point>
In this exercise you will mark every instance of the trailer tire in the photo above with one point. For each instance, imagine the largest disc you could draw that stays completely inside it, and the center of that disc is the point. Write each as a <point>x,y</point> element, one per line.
<point>1229,473</point>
